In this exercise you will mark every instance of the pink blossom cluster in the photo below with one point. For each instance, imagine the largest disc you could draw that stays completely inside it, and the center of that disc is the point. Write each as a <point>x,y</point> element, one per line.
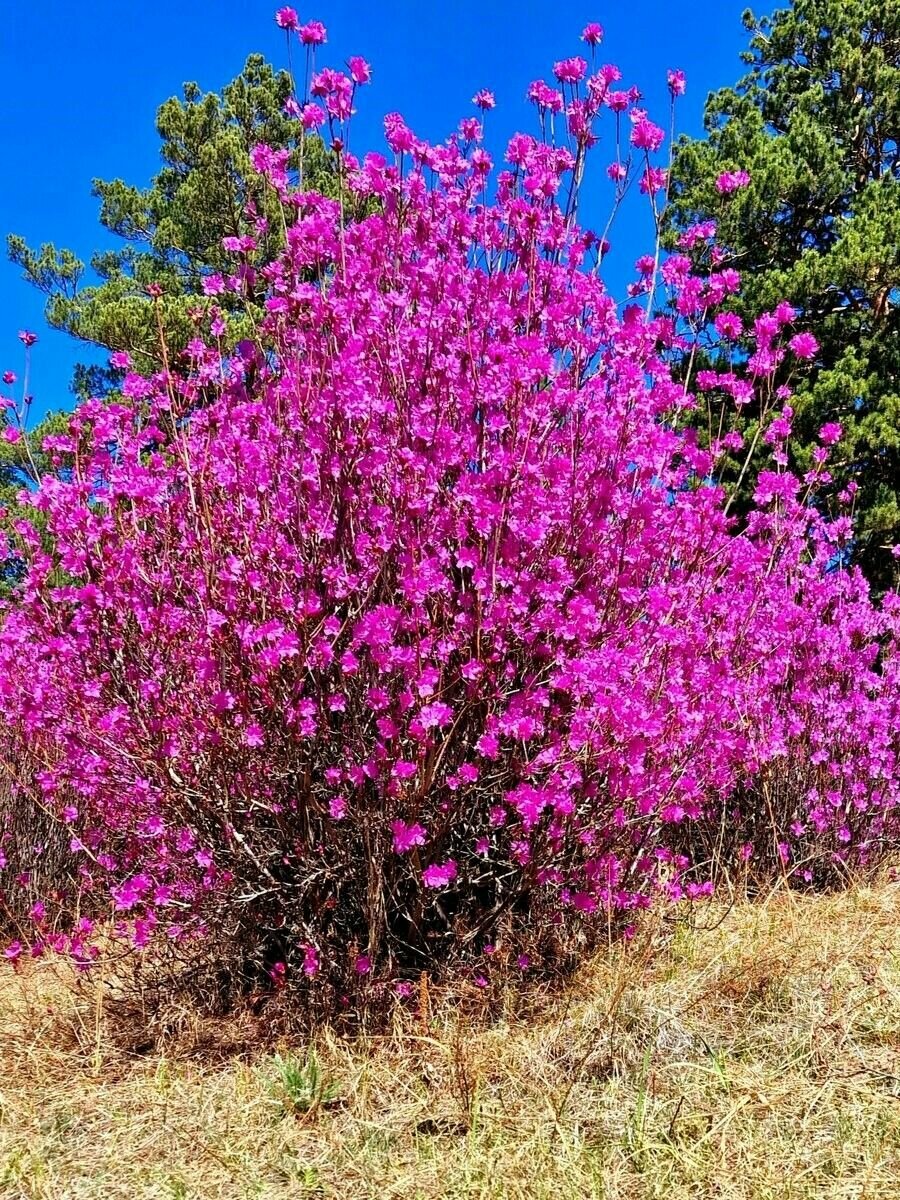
<point>420,616</point>
<point>732,181</point>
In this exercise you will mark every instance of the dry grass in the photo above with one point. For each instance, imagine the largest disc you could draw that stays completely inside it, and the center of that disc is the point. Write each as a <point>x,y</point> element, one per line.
<point>755,1055</point>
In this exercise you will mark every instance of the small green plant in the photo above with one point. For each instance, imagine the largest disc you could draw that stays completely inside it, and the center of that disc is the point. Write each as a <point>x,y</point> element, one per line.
<point>301,1086</point>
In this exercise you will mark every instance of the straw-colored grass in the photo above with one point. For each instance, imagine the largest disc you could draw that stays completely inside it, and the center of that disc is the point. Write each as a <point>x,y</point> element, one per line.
<point>752,1054</point>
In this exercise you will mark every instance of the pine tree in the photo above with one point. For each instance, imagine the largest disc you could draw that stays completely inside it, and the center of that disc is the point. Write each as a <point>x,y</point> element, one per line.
<point>816,123</point>
<point>172,231</point>
<point>172,235</point>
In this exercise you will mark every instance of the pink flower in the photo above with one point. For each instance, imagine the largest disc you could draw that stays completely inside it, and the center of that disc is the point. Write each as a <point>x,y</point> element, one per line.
<point>570,70</point>
<point>804,345</point>
<point>337,808</point>
<point>312,33</point>
<point>672,813</point>
<point>286,18</point>
<point>9,377</point>
<point>654,180</point>
<point>592,34</point>
<point>677,82</point>
<point>363,965</point>
<point>407,836</point>
<point>399,136</point>
<point>11,434</point>
<point>830,433</point>
<point>312,116</point>
<point>13,951</point>
<point>254,736</point>
<point>647,136</point>
<point>27,337</point>
<point>731,181</point>
<point>545,97</point>
<point>439,875</point>
<point>728,325</point>
<point>360,71</point>
<point>488,745</point>
<point>484,100</point>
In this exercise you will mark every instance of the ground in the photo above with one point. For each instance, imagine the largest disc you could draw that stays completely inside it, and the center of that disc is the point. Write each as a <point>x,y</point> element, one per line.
<point>744,1052</point>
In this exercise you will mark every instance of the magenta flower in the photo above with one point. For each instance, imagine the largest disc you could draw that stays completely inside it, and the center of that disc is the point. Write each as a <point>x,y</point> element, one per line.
<point>804,345</point>
<point>286,18</point>
<point>337,808</point>
<point>647,136</point>
<point>830,433</point>
<point>399,136</point>
<point>360,71</point>
<point>732,181</point>
<point>407,836</point>
<point>728,325</point>
<point>312,116</point>
<point>488,745</point>
<point>484,100</point>
<point>592,34</point>
<point>677,82</point>
<point>313,33</point>
<point>439,875</point>
<point>570,70</point>
<point>27,337</point>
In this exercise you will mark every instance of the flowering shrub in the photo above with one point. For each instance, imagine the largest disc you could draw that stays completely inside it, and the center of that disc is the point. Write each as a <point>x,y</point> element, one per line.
<point>420,619</point>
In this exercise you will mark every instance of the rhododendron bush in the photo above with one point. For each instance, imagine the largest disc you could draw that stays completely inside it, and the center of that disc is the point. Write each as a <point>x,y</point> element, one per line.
<point>419,626</point>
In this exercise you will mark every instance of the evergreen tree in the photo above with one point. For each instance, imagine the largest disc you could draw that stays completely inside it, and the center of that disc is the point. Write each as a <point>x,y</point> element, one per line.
<point>816,123</point>
<point>172,231</point>
<point>172,235</point>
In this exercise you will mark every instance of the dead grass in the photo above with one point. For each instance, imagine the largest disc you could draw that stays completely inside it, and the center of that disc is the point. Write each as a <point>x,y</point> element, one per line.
<point>753,1055</point>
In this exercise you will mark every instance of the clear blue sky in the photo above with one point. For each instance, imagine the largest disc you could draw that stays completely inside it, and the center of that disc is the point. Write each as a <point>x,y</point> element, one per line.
<point>82,83</point>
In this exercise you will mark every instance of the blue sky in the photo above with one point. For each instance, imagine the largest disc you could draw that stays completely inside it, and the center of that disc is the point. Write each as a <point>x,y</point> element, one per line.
<point>82,84</point>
